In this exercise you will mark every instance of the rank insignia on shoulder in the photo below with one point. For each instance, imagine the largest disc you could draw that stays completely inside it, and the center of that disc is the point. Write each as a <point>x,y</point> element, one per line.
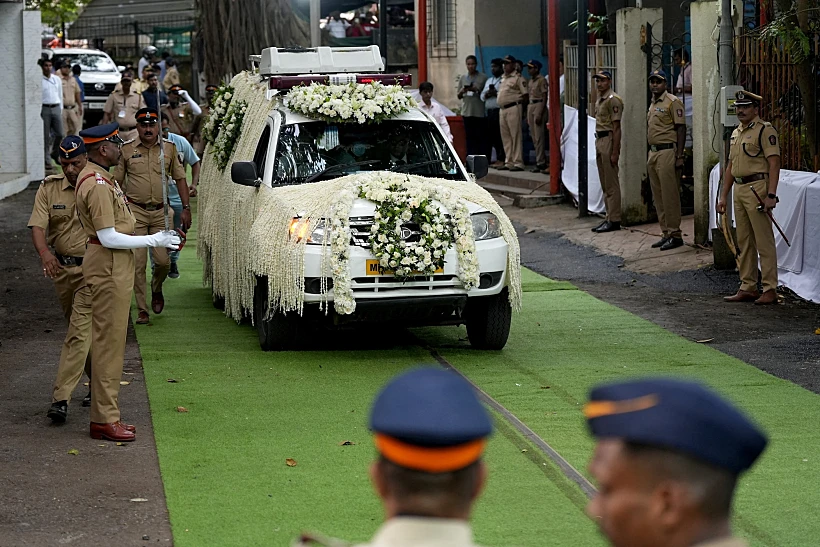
<point>99,178</point>
<point>751,125</point>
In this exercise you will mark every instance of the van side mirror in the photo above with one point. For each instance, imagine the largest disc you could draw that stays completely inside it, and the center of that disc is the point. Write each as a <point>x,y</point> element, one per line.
<point>478,166</point>
<point>244,173</point>
<point>120,68</point>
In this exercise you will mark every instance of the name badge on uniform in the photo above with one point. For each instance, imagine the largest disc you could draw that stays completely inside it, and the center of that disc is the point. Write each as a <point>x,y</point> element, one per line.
<point>58,206</point>
<point>182,114</point>
<point>121,114</point>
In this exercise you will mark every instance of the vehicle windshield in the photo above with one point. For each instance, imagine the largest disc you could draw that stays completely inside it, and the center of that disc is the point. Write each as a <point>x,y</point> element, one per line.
<point>89,62</point>
<point>320,150</point>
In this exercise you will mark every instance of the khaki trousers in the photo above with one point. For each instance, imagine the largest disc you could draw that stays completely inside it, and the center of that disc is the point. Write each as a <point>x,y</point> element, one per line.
<point>537,132</point>
<point>608,174</point>
<point>510,120</point>
<point>72,121</point>
<point>74,358</point>
<point>754,237</point>
<point>109,274</point>
<point>149,222</point>
<point>665,184</point>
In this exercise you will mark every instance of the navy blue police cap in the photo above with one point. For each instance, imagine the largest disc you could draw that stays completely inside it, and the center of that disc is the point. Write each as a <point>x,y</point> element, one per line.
<point>147,116</point>
<point>71,147</point>
<point>745,98</point>
<point>602,74</point>
<point>509,59</point>
<point>657,74</point>
<point>497,61</point>
<point>677,415</point>
<point>534,63</point>
<point>108,132</point>
<point>430,420</point>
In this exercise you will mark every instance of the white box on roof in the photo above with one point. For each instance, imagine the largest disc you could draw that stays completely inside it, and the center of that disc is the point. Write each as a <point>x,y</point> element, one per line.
<point>320,60</point>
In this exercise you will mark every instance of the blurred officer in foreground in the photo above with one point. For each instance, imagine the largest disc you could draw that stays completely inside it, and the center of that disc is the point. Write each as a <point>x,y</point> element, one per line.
<point>667,460</point>
<point>430,431</point>
<point>754,166</point>
<point>54,225</point>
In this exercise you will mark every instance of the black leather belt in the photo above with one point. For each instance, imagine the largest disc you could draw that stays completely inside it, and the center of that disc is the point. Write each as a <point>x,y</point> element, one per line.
<point>70,107</point>
<point>751,178</point>
<point>659,147</point>
<point>511,105</point>
<point>69,260</point>
<point>602,134</point>
<point>51,105</point>
<point>146,207</point>
<point>536,101</point>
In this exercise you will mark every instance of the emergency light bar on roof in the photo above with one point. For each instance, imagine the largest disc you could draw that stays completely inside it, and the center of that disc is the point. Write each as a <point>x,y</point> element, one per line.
<point>288,82</point>
<point>319,60</point>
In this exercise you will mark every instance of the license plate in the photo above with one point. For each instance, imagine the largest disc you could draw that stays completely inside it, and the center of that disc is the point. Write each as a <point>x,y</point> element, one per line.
<point>374,268</point>
<point>96,106</point>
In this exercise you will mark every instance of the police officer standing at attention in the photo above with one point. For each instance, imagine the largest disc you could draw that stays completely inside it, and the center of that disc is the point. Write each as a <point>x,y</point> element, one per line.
<point>54,225</point>
<point>181,114</point>
<point>608,111</point>
<point>139,168</point>
<point>537,92</point>
<point>122,106</point>
<point>108,269</point>
<point>512,95</point>
<point>430,471</point>
<point>666,132</point>
<point>72,101</point>
<point>754,166</point>
<point>667,460</point>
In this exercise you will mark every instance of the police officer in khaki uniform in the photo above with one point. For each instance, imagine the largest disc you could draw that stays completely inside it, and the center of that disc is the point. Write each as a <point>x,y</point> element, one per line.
<point>199,123</point>
<point>512,96</point>
<point>72,101</point>
<point>430,471</point>
<point>668,457</point>
<point>139,169</point>
<point>754,163</point>
<point>54,225</point>
<point>181,114</point>
<point>108,269</point>
<point>122,106</point>
<point>666,132</point>
<point>536,109</point>
<point>608,111</point>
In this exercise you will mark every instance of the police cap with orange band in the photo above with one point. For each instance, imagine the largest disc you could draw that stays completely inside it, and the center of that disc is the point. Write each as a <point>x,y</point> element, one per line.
<point>147,116</point>
<point>108,132</point>
<point>677,415</point>
<point>430,420</point>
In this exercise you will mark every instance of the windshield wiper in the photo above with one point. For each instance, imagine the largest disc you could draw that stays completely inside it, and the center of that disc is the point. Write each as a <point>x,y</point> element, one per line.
<point>409,166</point>
<point>337,167</point>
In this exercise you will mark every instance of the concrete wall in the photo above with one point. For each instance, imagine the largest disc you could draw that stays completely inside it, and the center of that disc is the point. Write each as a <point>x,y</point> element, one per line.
<point>631,83</point>
<point>443,72</point>
<point>21,141</point>
<point>706,128</point>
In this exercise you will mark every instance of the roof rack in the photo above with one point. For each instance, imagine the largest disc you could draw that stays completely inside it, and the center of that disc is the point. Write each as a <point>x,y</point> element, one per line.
<point>319,60</point>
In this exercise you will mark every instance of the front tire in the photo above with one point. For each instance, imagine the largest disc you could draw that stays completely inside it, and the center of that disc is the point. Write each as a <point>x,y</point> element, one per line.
<point>488,320</point>
<point>278,332</point>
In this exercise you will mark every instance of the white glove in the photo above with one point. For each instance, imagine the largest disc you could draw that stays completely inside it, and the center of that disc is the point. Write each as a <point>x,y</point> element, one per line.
<point>112,239</point>
<point>169,240</point>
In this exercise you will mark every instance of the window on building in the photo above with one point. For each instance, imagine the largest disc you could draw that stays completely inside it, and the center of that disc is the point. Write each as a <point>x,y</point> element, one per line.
<point>441,20</point>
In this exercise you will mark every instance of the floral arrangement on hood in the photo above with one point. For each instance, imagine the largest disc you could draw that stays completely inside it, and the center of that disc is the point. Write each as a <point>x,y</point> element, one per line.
<point>350,103</point>
<point>221,101</point>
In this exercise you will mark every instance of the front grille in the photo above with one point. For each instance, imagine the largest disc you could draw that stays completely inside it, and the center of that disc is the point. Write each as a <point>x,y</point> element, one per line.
<point>360,231</point>
<point>91,90</point>
<point>422,283</point>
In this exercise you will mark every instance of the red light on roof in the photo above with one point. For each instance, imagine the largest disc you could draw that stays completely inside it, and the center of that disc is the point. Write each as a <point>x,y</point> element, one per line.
<point>289,82</point>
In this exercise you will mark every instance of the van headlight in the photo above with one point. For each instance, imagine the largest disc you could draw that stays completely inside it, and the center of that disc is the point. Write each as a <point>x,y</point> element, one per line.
<point>316,233</point>
<point>485,226</point>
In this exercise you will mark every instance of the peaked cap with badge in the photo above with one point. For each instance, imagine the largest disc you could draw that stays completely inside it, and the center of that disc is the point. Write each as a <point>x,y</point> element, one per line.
<point>147,116</point>
<point>71,147</point>
<point>108,132</point>
<point>658,75</point>
<point>745,98</point>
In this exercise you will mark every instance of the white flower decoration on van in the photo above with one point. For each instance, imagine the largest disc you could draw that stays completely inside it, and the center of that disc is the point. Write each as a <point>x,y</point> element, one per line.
<point>350,103</point>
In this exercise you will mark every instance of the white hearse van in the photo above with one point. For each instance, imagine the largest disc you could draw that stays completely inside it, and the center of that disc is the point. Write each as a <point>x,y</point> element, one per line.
<point>293,149</point>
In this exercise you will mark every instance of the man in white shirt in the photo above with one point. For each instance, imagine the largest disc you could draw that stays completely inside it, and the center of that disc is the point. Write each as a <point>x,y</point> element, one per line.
<point>433,109</point>
<point>336,26</point>
<point>51,113</point>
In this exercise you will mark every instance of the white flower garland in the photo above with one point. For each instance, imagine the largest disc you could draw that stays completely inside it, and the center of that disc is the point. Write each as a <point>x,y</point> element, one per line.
<point>229,134</point>
<point>350,103</point>
<point>221,102</point>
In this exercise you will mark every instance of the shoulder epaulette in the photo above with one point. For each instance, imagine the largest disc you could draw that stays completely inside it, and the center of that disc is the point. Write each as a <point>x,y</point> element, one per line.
<point>52,178</point>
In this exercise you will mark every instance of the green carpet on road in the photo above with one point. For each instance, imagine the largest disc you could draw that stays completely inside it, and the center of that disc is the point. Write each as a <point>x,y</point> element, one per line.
<point>223,461</point>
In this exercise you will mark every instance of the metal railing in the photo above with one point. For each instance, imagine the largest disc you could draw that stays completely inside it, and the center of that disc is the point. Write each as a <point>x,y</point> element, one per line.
<point>599,57</point>
<point>766,68</point>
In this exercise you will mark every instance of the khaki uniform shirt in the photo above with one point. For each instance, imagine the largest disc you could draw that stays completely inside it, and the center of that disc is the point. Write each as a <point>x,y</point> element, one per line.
<point>140,164</point>
<point>512,89</point>
<point>171,78</point>
<point>537,89</point>
<point>422,532</point>
<point>472,105</point>
<point>664,114</point>
<point>101,202</point>
<point>55,212</point>
<point>70,90</point>
<point>182,119</point>
<point>122,109</point>
<point>725,542</point>
<point>750,146</point>
<point>609,109</point>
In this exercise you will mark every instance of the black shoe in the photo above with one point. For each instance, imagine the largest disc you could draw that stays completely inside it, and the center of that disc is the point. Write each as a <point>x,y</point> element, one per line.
<point>599,226</point>
<point>673,243</point>
<point>174,272</point>
<point>58,412</point>
<point>608,227</point>
<point>661,242</point>
<point>87,399</point>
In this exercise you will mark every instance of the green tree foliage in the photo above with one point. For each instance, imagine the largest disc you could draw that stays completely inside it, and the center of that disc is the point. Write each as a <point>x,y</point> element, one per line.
<point>56,12</point>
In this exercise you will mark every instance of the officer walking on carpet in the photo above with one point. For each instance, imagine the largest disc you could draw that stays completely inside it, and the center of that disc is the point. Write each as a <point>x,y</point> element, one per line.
<point>139,169</point>
<point>108,270</point>
<point>754,166</point>
<point>667,460</point>
<point>666,132</point>
<point>60,240</point>
<point>429,471</point>
<point>608,111</point>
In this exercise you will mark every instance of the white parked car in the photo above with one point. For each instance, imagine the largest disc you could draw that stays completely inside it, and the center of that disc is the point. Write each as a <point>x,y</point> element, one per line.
<point>293,149</point>
<point>100,75</point>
